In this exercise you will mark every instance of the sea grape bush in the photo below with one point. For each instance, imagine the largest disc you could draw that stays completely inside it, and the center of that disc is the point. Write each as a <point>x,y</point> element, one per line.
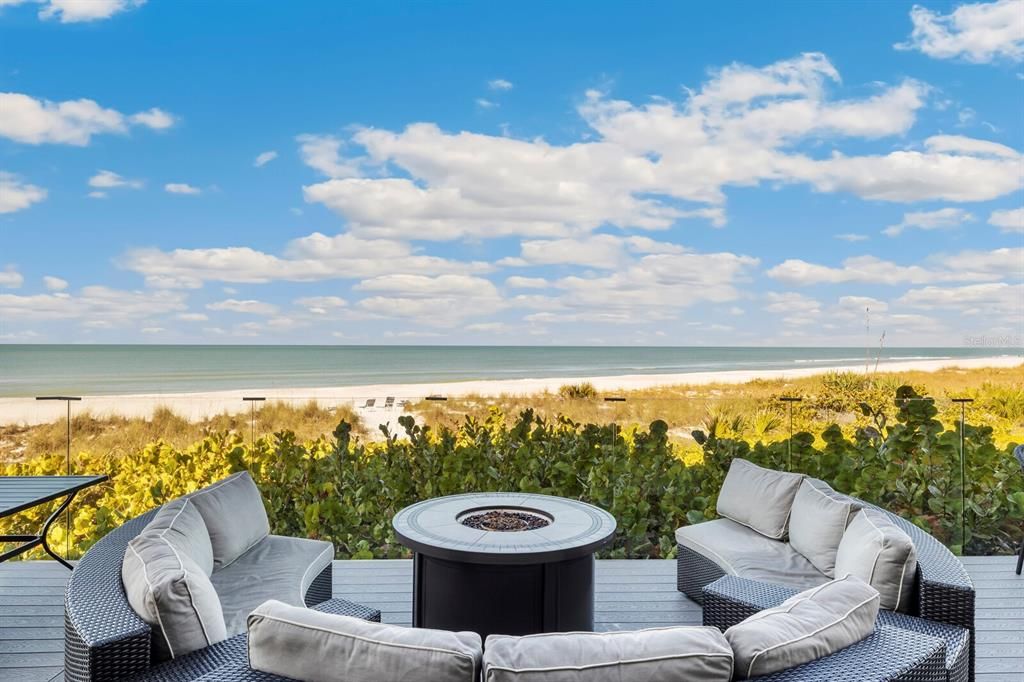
<point>341,489</point>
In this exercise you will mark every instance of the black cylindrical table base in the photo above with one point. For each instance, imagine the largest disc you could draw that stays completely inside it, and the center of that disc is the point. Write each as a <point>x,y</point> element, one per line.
<point>507,599</point>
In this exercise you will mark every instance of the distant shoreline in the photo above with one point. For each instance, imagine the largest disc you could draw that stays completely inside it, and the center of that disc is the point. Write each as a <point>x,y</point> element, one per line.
<point>200,405</point>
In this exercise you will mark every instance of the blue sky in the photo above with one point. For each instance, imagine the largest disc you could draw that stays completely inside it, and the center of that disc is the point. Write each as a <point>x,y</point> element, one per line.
<point>527,173</point>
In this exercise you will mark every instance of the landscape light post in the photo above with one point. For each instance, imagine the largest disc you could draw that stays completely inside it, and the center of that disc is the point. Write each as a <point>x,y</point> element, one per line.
<point>252,420</point>
<point>789,400</point>
<point>68,399</point>
<point>614,399</point>
<point>963,471</point>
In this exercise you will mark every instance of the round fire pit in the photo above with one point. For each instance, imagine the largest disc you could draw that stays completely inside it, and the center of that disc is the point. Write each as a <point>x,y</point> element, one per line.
<point>504,563</point>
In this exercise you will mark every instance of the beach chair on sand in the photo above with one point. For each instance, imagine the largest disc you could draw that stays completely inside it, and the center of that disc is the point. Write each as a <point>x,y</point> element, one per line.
<point>389,402</point>
<point>370,402</point>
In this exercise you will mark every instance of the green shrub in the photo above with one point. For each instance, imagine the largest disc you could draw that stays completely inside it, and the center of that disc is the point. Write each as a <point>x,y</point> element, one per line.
<point>584,391</point>
<point>344,490</point>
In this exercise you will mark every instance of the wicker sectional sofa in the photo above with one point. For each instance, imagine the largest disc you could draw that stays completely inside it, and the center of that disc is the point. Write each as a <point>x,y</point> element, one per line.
<point>106,639</point>
<point>732,584</point>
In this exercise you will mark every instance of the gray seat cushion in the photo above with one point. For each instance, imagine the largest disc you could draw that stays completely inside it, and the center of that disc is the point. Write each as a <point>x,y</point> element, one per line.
<point>804,628</point>
<point>657,655</point>
<point>278,567</point>
<point>307,645</point>
<point>759,498</point>
<point>817,524</point>
<point>234,515</point>
<point>740,551</point>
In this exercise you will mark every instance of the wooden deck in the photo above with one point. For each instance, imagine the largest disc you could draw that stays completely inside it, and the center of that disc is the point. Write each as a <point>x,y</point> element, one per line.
<point>630,594</point>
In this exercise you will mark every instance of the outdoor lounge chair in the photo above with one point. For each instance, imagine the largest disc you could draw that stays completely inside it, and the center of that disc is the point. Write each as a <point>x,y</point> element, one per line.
<point>389,402</point>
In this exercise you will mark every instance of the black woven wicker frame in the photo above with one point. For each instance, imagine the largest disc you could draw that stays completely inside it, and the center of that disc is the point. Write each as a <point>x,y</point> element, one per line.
<point>943,590</point>
<point>224,660</point>
<point>693,572</point>
<point>887,655</point>
<point>731,600</point>
<point>104,639</point>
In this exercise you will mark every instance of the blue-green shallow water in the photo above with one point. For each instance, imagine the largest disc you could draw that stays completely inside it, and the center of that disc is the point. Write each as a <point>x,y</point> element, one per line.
<point>27,370</point>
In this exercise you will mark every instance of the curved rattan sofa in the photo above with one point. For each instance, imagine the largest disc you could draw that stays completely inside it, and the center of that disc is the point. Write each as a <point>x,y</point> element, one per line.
<point>106,640</point>
<point>943,591</point>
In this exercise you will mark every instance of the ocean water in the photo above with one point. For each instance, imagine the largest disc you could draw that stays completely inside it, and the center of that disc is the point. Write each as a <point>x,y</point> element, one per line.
<point>30,370</point>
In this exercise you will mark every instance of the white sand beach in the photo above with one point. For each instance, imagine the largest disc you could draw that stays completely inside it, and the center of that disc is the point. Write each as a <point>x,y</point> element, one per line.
<point>196,406</point>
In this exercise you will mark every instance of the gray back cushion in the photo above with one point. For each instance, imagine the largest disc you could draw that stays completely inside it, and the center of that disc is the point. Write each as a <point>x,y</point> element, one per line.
<point>171,592</point>
<point>307,645</point>
<point>817,524</point>
<point>661,654</point>
<point>761,499</point>
<point>878,552</point>
<point>234,515</point>
<point>804,628</point>
<point>181,524</point>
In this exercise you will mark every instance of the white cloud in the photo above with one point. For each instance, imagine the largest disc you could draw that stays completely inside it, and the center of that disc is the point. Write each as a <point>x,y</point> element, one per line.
<point>909,176</point>
<point>858,305</point>
<point>960,144</point>
<point>181,188</point>
<point>156,119</point>
<point>74,11</point>
<point>527,283</point>
<point>791,302</point>
<point>434,301</point>
<point>152,330</point>
<point>977,32</point>
<point>36,121</point>
<point>941,219</point>
<point>962,267</point>
<point>597,251</point>
<point>321,305</point>
<point>106,179</point>
<point>312,258</point>
<point>651,165</point>
<point>54,283</point>
<point>16,195</point>
<point>11,278</point>
<point>264,158</point>
<point>852,237</point>
<point>323,153</point>
<point>487,327</point>
<point>97,195</point>
<point>98,305</point>
<point>249,307</point>
<point>653,287</point>
<point>499,84</point>
<point>192,317</point>
<point>1008,220</point>
<point>484,103</point>
<point>995,298</point>
<point>796,309</point>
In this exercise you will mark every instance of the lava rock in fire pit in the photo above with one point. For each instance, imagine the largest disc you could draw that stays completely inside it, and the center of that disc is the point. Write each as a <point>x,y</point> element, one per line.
<point>505,520</point>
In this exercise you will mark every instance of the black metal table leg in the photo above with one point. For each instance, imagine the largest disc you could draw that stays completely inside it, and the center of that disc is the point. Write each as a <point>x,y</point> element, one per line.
<point>30,541</point>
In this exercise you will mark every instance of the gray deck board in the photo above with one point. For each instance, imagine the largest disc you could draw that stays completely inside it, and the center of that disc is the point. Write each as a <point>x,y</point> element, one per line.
<point>629,594</point>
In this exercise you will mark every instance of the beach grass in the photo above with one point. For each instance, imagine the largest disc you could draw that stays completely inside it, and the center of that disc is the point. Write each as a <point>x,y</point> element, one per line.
<point>115,434</point>
<point>751,410</point>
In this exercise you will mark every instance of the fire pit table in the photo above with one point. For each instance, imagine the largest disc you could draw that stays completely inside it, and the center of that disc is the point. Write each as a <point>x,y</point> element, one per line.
<point>503,563</point>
